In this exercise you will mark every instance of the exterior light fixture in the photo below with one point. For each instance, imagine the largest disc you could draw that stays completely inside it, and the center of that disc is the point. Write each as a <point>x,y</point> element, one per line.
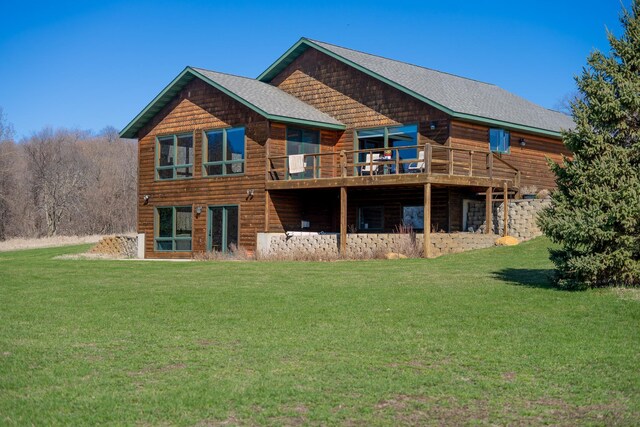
<point>522,142</point>
<point>145,199</point>
<point>198,210</point>
<point>433,125</point>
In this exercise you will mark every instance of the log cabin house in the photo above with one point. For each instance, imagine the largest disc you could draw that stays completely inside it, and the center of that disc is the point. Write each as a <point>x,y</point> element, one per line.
<point>330,139</point>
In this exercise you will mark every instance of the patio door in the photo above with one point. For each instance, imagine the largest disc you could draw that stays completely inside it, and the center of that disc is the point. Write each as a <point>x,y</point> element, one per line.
<point>223,228</point>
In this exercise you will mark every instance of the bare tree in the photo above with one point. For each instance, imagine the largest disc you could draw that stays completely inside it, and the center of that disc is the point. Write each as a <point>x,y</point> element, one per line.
<point>58,175</point>
<point>7,160</point>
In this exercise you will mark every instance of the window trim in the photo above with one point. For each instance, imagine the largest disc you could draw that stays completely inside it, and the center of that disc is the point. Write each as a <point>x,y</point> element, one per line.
<point>368,230</point>
<point>223,163</point>
<point>173,238</point>
<point>502,132</point>
<point>173,167</point>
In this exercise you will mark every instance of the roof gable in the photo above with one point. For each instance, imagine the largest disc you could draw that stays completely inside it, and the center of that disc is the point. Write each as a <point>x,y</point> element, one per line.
<point>265,99</point>
<point>457,96</point>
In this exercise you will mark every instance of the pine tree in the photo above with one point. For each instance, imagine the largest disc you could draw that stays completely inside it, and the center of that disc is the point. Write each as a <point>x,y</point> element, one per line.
<point>594,216</point>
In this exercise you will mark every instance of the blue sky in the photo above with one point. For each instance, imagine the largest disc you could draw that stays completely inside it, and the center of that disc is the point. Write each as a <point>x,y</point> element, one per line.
<point>91,64</point>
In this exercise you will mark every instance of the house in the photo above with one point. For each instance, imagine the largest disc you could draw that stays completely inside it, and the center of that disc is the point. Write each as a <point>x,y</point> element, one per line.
<point>330,139</point>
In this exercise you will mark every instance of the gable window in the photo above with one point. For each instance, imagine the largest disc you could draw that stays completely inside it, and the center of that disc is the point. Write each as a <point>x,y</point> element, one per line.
<point>174,156</point>
<point>224,152</point>
<point>389,137</point>
<point>371,218</point>
<point>499,140</point>
<point>173,228</point>
<point>303,141</point>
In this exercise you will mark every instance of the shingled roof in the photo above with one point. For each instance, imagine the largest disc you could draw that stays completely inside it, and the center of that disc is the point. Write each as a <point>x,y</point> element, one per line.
<point>460,97</point>
<point>267,100</point>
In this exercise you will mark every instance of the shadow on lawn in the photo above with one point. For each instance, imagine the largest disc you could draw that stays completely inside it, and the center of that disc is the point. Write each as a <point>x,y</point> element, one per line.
<point>531,277</point>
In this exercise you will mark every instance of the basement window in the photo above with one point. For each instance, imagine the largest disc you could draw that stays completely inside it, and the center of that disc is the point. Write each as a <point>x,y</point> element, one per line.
<point>224,152</point>
<point>173,226</point>
<point>371,218</point>
<point>174,156</point>
<point>499,140</point>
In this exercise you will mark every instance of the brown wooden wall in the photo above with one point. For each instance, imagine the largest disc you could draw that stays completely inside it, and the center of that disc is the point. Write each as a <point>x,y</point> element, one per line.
<point>530,159</point>
<point>356,99</point>
<point>196,108</point>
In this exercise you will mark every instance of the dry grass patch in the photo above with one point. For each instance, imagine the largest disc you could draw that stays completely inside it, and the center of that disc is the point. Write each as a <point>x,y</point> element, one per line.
<point>46,242</point>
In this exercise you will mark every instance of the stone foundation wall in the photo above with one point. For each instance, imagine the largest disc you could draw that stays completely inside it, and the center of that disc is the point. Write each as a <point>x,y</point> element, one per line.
<point>367,245</point>
<point>523,215</point>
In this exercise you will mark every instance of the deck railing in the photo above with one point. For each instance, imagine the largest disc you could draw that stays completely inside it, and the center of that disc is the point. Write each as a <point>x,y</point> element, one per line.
<point>428,158</point>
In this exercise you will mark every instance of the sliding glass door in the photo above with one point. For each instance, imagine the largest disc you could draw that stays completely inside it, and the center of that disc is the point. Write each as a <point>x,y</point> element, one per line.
<point>223,228</point>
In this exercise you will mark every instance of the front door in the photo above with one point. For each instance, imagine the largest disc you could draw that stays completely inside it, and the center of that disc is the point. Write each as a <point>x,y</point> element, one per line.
<point>223,228</point>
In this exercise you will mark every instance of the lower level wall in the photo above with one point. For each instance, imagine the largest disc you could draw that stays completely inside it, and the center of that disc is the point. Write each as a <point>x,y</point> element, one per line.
<point>523,216</point>
<point>299,244</point>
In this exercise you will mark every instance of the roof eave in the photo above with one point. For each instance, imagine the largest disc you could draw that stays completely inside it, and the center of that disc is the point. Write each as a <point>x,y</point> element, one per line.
<point>507,125</point>
<point>131,130</point>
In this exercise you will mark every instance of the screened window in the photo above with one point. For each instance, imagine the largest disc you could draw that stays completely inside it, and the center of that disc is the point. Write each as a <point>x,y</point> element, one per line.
<point>413,216</point>
<point>499,140</point>
<point>174,159</point>
<point>303,141</point>
<point>390,137</point>
<point>224,152</point>
<point>173,228</point>
<point>371,218</point>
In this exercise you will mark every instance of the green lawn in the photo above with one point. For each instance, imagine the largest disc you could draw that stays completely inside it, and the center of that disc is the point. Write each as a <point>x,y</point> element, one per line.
<point>475,338</point>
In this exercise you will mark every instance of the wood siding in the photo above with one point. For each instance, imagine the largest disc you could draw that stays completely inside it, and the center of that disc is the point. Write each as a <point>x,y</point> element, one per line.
<point>196,108</point>
<point>356,99</point>
<point>530,159</point>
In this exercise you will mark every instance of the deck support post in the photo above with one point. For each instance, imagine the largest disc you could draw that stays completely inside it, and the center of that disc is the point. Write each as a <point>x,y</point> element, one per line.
<point>488,211</point>
<point>427,221</point>
<point>267,202</point>
<point>505,208</point>
<point>343,220</point>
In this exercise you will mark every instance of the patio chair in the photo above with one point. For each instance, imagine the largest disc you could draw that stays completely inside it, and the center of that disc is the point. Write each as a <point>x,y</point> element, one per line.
<point>368,168</point>
<point>417,166</point>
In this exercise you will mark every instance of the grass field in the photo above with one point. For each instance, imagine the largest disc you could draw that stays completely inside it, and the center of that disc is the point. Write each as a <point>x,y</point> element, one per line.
<point>476,338</point>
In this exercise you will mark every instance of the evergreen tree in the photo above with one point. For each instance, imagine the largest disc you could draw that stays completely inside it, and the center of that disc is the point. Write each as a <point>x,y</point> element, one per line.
<point>595,211</point>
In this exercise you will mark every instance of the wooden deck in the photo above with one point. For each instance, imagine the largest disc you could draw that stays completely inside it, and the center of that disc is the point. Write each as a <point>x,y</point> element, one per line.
<point>435,164</point>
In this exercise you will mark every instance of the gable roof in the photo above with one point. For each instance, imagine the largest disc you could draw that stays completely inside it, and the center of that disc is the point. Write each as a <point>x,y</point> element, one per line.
<point>265,99</point>
<point>457,96</point>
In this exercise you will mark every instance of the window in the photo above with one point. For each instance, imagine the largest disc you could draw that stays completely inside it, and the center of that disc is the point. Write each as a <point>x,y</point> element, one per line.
<point>499,140</point>
<point>174,158</point>
<point>371,218</point>
<point>224,152</point>
<point>303,141</point>
<point>413,216</point>
<point>173,228</point>
<point>389,137</point>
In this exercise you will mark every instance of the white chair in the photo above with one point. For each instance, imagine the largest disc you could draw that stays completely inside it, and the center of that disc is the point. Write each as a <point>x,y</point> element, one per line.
<point>368,168</point>
<point>417,166</point>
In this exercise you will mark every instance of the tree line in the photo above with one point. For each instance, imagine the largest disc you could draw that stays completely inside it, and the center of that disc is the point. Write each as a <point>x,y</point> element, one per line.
<point>66,182</point>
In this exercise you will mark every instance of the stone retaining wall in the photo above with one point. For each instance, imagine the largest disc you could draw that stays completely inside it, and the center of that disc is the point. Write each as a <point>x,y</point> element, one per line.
<point>523,214</point>
<point>366,245</point>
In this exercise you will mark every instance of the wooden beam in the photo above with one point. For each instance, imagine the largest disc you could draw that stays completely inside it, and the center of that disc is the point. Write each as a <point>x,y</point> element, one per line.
<point>343,220</point>
<point>506,209</point>
<point>427,221</point>
<point>488,211</point>
<point>267,202</point>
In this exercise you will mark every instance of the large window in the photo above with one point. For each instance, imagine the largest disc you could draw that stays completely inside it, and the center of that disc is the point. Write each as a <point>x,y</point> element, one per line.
<point>389,137</point>
<point>499,140</point>
<point>173,228</point>
<point>371,218</point>
<point>303,141</point>
<point>223,152</point>
<point>174,158</point>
